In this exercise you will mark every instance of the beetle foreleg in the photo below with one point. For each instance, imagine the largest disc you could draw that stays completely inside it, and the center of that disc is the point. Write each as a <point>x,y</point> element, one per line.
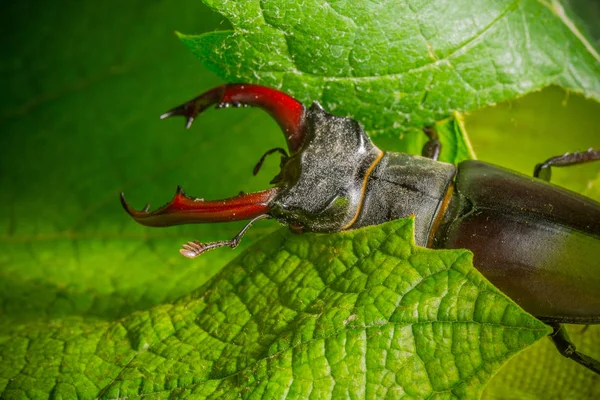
<point>195,248</point>
<point>287,111</point>
<point>433,146</point>
<point>563,343</point>
<point>543,170</point>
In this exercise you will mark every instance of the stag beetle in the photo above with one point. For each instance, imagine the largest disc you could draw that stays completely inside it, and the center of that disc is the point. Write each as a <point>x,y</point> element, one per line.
<point>538,243</point>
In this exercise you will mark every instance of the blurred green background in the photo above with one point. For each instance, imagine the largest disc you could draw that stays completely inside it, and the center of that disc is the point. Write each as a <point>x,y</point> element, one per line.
<point>83,85</point>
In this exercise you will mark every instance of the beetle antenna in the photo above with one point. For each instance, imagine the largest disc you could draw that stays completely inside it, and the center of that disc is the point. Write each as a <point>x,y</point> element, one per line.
<point>284,157</point>
<point>195,248</point>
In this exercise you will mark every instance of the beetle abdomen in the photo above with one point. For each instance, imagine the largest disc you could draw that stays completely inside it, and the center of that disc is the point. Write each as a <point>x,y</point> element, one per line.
<point>537,242</point>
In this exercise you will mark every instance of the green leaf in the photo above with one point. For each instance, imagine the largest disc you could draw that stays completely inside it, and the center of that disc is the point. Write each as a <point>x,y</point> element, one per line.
<point>79,123</point>
<point>401,65</point>
<point>452,134</point>
<point>540,372</point>
<point>359,313</point>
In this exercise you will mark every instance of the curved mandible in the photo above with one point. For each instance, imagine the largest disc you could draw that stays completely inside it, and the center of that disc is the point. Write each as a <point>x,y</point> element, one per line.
<point>183,209</point>
<point>287,111</point>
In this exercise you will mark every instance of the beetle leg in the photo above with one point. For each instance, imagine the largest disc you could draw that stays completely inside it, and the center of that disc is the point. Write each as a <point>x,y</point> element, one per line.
<point>195,248</point>
<point>188,210</point>
<point>543,170</point>
<point>433,146</point>
<point>585,328</point>
<point>563,343</point>
<point>287,111</point>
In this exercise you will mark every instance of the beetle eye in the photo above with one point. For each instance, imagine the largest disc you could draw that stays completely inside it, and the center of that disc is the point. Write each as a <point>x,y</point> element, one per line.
<point>290,171</point>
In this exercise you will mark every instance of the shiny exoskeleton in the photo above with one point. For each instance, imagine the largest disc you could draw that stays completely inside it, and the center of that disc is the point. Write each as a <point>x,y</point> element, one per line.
<point>537,242</point>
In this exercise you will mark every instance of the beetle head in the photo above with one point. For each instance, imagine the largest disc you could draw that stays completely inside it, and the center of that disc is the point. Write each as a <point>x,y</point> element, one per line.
<point>320,186</point>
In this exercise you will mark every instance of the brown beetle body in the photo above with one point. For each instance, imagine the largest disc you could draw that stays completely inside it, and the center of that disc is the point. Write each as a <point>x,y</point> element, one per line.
<point>539,243</point>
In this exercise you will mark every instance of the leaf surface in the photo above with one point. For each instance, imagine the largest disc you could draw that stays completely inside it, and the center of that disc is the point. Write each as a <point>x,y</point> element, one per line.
<point>357,314</point>
<point>80,124</point>
<point>401,65</point>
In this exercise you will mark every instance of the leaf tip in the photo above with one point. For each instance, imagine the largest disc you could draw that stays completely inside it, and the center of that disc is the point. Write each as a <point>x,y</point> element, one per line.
<point>184,37</point>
